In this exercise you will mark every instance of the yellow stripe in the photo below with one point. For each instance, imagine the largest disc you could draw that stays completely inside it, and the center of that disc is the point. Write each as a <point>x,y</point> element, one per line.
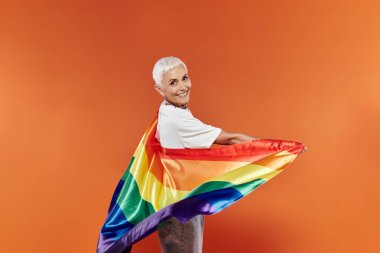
<point>151,189</point>
<point>247,173</point>
<point>251,172</point>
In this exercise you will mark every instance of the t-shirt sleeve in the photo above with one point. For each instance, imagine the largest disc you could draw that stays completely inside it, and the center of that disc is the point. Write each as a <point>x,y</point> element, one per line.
<point>195,134</point>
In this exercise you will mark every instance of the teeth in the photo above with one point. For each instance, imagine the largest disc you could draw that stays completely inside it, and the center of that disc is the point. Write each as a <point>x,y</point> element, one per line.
<point>182,95</point>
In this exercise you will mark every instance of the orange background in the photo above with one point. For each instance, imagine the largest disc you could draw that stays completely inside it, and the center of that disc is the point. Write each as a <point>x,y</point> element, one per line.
<point>76,94</point>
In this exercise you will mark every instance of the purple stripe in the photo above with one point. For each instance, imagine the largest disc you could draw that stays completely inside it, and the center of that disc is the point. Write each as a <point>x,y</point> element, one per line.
<point>205,203</point>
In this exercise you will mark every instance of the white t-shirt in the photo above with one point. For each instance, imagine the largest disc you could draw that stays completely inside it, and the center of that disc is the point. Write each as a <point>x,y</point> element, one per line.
<point>177,128</point>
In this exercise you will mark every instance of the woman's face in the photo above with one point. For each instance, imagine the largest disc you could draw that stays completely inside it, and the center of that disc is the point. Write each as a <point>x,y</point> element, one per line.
<point>175,86</point>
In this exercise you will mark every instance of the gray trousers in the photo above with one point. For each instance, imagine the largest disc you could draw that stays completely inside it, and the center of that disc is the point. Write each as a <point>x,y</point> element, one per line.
<point>176,237</point>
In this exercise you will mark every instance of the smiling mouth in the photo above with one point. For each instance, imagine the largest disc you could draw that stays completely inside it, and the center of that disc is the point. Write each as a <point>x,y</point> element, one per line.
<point>183,94</point>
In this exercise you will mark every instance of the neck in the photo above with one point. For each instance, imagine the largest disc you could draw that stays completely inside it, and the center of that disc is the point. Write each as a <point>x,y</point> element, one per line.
<point>179,106</point>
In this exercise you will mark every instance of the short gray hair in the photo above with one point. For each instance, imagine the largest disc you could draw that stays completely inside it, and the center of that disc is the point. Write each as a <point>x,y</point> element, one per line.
<point>163,65</point>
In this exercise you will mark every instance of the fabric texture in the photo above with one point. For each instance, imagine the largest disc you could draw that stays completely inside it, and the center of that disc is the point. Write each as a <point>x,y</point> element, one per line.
<point>161,183</point>
<point>178,128</point>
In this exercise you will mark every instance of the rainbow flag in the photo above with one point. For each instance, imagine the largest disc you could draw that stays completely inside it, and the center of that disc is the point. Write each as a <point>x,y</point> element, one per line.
<point>160,183</point>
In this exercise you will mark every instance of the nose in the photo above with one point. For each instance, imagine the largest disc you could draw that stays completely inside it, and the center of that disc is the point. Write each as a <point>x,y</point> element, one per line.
<point>183,86</point>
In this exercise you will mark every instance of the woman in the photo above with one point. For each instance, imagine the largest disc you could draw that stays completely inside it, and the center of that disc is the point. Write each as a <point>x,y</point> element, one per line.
<point>178,128</point>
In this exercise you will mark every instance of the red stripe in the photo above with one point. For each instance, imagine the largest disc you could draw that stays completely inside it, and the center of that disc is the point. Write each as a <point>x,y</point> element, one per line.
<point>247,151</point>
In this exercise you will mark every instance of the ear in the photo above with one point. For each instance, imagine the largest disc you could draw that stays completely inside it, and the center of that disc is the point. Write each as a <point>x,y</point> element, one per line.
<point>159,90</point>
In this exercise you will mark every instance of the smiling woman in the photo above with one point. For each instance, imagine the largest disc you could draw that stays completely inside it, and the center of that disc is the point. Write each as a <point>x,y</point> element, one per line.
<point>174,85</point>
<point>177,128</point>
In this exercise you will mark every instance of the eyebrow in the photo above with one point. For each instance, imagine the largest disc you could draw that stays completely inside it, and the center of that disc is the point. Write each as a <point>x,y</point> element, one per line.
<point>176,78</point>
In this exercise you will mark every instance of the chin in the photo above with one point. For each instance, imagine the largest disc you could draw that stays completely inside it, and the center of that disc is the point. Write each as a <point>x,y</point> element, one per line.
<point>185,101</point>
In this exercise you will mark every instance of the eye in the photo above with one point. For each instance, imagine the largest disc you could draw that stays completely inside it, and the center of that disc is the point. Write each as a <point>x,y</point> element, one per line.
<point>185,78</point>
<point>173,82</point>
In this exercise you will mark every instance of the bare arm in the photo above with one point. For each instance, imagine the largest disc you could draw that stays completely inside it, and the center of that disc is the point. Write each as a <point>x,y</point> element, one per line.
<point>226,138</point>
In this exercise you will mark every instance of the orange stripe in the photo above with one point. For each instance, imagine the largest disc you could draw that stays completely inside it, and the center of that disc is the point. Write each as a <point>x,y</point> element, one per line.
<point>188,174</point>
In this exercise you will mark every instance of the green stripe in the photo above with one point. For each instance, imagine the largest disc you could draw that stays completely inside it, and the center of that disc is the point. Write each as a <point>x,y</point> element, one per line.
<point>133,206</point>
<point>248,187</point>
<point>244,189</point>
<point>124,177</point>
